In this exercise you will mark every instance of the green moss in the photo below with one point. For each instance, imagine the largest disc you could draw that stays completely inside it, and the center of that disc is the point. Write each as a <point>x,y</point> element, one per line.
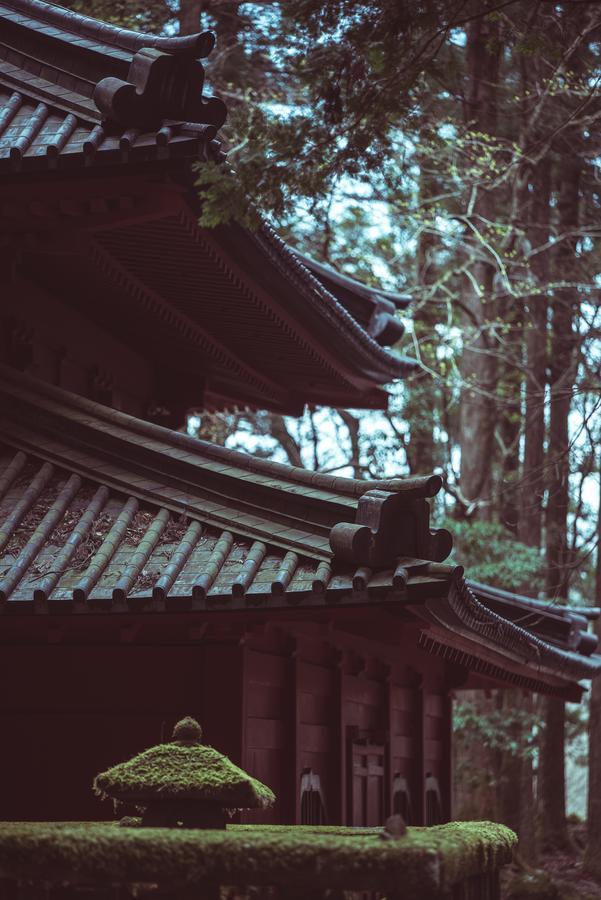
<point>183,771</point>
<point>426,861</point>
<point>188,729</point>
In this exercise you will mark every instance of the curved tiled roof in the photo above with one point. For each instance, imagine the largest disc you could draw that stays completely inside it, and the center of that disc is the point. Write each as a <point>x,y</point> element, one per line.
<point>374,308</point>
<point>104,37</point>
<point>465,612</point>
<point>380,359</point>
<point>149,514</point>
<point>52,61</point>
<point>103,512</point>
<point>38,133</point>
<point>292,507</point>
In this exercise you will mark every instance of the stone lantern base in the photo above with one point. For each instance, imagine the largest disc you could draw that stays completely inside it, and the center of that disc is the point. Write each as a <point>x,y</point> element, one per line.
<point>183,814</point>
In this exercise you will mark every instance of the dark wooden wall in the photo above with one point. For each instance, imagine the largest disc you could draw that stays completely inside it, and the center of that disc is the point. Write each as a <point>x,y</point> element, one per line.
<point>68,712</point>
<point>279,704</point>
<point>350,712</point>
<point>41,335</point>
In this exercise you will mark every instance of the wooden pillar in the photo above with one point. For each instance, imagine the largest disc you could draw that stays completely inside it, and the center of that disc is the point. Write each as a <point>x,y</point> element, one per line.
<point>447,763</point>
<point>388,742</point>
<point>244,681</point>
<point>419,776</point>
<point>292,806</point>
<point>341,738</point>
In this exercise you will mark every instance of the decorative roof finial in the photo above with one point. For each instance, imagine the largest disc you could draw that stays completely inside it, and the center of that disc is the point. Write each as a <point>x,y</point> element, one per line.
<point>160,86</point>
<point>187,731</point>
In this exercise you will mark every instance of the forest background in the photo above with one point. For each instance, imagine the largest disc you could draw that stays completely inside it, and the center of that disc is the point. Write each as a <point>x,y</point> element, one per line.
<point>449,149</point>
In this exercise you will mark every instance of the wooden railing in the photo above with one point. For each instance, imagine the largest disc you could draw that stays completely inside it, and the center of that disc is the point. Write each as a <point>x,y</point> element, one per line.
<point>458,861</point>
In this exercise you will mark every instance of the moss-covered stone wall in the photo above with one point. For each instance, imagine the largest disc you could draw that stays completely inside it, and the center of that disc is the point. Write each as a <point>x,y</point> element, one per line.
<point>425,863</point>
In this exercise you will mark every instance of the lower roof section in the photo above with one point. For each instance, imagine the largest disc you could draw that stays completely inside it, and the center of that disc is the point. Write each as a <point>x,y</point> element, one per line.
<point>101,513</point>
<point>499,643</point>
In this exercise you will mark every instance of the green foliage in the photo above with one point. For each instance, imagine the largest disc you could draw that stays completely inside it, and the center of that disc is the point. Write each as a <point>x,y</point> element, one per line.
<point>509,731</point>
<point>491,555</point>
<point>224,198</point>
<point>139,15</point>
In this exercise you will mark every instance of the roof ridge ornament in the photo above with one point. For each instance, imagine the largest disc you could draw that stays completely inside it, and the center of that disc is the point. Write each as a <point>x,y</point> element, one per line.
<point>160,86</point>
<point>389,525</point>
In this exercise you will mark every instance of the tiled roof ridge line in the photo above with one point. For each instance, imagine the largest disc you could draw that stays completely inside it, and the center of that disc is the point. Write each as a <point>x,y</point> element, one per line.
<point>483,621</point>
<point>538,606</point>
<point>414,487</point>
<point>392,366</point>
<point>399,300</point>
<point>106,33</point>
<point>135,80</point>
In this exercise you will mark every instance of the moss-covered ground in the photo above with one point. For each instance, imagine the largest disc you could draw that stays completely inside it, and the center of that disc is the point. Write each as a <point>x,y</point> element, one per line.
<point>424,863</point>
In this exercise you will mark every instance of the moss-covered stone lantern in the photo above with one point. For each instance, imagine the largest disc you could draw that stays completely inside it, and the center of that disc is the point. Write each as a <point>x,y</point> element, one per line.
<point>184,783</point>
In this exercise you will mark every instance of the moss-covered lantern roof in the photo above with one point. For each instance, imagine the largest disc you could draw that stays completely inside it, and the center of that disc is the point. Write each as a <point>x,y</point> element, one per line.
<point>183,770</point>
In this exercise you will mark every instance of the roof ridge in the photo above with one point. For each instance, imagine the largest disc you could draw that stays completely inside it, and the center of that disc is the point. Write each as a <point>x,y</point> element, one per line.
<point>391,365</point>
<point>198,45</point>
<point>328,270</point>
<point>412,487</point>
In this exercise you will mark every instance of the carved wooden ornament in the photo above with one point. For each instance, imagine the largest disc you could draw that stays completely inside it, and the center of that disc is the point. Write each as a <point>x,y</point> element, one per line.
<point>389,525</point>
<point>159,86</point>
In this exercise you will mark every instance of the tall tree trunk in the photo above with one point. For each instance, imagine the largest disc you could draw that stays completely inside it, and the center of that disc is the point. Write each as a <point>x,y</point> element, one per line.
<point>419,407</point>
<point>552,792</point>
<point>189,16</point>
<point>515,785</point>
<point>510,422</point>
<point>530,216</point>
<point>527,824</point>
<point>564,343</point>
<point>562,371</point>
<point>592,857</point>
<point>509,763</point>
<point>479,362</point>
<point>535,328</point>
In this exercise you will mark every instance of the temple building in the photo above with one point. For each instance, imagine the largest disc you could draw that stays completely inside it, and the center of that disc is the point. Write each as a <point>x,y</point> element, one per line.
<point>308,621</point>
